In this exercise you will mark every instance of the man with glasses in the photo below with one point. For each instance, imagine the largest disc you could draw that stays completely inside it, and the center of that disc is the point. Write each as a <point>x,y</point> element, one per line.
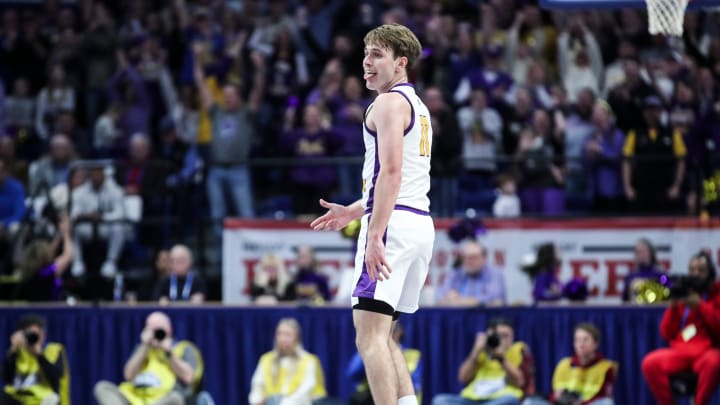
<point>475,282</point>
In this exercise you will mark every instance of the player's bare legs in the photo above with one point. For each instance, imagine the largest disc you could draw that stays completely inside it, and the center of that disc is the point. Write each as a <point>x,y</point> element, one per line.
<point>405,383</point>
<point>372,336</point>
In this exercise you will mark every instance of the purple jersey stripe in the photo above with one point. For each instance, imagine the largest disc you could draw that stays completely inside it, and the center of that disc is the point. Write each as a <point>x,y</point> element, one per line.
<point>365,287</point>
<point>401,207</point>
<point>376,171</point>
<point>412,110</point>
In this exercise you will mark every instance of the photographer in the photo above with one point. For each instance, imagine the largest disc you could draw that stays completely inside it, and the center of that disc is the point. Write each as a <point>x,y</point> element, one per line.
<point>32,371</point>
<point>586,378</point>
<point>498,370</point>
<point>159,372</point>
<point>690,324</point>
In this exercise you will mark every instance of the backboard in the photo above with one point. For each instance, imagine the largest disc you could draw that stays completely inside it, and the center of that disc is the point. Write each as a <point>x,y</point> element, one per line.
<point>615,4</point>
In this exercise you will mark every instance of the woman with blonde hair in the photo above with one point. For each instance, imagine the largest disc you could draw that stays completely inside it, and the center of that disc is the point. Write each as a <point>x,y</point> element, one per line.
<point>40,271</point>
<point>288,374</point>
<point>271,281</point>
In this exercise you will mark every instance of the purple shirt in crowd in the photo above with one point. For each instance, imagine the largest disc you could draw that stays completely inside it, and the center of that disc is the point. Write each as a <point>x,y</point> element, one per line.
<point>136,113</point>
<point>486,286</point>
<point>309,276</point>
<point>605,168</point>
<point>547,287</point>
<point>303,144</point>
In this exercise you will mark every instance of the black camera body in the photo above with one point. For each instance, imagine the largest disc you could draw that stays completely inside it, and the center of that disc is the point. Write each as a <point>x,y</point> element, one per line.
<point>493,341</point>
<point>567,398</point>
<point>682,286</point>
<point>31,337</point>
<point>159,334</point>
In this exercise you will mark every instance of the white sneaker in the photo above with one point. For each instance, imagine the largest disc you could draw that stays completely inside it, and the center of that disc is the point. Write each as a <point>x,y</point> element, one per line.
<point>108,269</point>
<point>78,269</point>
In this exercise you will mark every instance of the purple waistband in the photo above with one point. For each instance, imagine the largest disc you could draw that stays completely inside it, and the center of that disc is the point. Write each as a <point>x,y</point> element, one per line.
<point>403,208</point>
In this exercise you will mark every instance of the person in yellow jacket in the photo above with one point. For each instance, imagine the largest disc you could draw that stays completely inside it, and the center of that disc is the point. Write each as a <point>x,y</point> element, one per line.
<point>587,378</point>
<point>498,370</point>
<point>287,375</point>
<point>158,371</point>
<point>32,370</point>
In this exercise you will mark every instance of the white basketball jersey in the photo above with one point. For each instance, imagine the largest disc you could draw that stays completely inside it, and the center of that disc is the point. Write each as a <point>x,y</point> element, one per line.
<point>417,144</point>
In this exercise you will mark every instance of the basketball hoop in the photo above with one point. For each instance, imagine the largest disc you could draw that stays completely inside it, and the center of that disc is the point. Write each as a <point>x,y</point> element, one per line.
<point>666,17</point>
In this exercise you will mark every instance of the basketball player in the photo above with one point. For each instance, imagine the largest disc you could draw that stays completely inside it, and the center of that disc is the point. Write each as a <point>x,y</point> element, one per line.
<point>397,233</point>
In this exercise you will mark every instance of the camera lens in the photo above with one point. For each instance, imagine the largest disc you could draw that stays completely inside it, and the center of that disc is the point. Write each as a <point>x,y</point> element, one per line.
<point>493,341</point>
<point>31,337</point>
<point>159,334</point>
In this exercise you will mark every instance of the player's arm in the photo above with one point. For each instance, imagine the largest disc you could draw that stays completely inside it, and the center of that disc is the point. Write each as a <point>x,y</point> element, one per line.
<point>388,108</point>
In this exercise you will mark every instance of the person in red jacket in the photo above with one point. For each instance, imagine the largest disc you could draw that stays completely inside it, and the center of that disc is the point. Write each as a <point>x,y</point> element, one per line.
<point>691,325</point>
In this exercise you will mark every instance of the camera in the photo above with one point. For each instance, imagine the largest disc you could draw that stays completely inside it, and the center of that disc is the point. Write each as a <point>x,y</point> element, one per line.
<point>159,334</point>
<point>31,337</point>
<point>568,398</point>
<point>681,286</point>
<point>493,341</point>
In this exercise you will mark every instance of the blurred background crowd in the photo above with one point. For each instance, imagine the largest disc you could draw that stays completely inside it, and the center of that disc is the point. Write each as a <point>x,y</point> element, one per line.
<point>148,122</point>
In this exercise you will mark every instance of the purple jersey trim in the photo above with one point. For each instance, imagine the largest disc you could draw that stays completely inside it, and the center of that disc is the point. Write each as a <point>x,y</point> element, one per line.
<point>400,207</point>
<point>412,109</point>
<point>365,288</point>
<point>376,171</point>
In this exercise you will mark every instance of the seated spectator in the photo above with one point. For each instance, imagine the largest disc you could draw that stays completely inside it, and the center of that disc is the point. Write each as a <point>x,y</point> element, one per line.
<point>356,370</point>
<point>34,372</point>
<point>498,370</point>
<point>162,271</point>
<point>602,154</point>
<point>51,170</point>
<point>98,204</point>
<point>507,204</point>
<point>645,268</point>
<point>586,378</point>
<point>475,282</point>
<point>544,273</point>
<point>159,371</point>
<point>271,281</point>
<point>310,284</point>
<point>691,325</point>
<point>181,284</point>
<point>287,374</point>
<point>41,271</point>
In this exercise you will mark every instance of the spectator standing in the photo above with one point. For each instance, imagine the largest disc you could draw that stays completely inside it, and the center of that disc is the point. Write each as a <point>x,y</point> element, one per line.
<point>602,154</point>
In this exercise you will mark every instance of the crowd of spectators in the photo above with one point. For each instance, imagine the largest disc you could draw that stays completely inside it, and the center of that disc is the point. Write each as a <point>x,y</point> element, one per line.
<point>142,119</point>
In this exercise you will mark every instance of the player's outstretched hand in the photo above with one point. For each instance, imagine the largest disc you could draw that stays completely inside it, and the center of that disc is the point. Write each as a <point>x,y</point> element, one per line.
<point>334,220</point>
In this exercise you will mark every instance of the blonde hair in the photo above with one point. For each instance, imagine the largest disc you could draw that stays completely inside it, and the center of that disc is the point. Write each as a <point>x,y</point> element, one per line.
<point>36,256</point>
<point>397,37</point>
<point>262,278</point>
<point>299,350</point>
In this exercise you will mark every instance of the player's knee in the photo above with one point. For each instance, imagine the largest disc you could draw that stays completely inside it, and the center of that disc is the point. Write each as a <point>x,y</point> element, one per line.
<point>368,343</point>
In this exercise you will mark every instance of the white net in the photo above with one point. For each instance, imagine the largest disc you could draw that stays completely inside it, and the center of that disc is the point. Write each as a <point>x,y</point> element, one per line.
<point>666,16</point>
